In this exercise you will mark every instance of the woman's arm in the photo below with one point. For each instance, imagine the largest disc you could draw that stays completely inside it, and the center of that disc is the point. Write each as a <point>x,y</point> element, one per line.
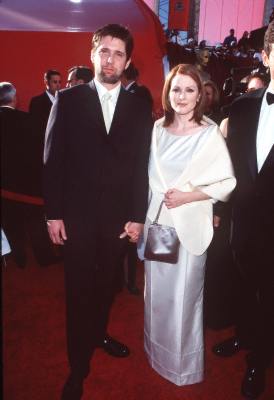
<point>175,198</point>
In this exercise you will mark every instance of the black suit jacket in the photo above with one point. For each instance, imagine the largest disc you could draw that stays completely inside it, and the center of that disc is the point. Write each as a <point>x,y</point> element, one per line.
<point>143,92</point>
<point>16,165</point>
<point>39,110</point>
<point>93,178</point>
<point>253,198</point>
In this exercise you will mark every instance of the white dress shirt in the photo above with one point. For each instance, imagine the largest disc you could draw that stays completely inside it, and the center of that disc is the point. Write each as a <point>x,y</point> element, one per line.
<point>265,132</point>
<point>101,90</point>
<point>51,97</point>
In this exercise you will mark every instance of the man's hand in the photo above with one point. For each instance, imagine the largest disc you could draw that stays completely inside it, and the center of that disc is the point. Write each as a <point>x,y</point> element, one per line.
<point>216,221</point>
<point>56,230</point>
<point>133,230</point>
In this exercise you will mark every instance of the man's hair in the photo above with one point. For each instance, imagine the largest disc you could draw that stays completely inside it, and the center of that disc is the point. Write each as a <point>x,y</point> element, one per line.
<point>131,73</point>
<point>7,93</point>
<point>82,72</point>
<point>116,31</point>
<point>48,74</point>
<point>269,38</point>
<point>189,70</point>
<point>263,77</point>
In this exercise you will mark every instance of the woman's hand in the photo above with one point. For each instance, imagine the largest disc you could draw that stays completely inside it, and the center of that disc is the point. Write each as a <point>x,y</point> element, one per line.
<point>175,198</point>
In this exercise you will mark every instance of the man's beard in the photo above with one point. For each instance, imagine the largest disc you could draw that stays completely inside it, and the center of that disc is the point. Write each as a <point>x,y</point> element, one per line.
<point>109,79</point>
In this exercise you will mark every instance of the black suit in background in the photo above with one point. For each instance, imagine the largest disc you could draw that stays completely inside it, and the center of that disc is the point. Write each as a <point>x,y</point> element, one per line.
<point>95,182</point>
<point>18,175</point>
<point>39,110</point>
<point>253,230</point>
<point>142,92</point>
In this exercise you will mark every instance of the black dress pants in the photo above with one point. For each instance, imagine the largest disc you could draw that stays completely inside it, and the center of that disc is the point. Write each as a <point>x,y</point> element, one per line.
<point>90,280</point>
<point>255,317</point>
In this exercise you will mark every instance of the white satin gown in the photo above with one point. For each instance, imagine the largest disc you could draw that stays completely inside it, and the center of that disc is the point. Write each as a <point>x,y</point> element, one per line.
<point>174,292</point>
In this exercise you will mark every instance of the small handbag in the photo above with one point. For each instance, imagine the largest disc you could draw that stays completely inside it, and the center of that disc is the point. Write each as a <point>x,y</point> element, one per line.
<point>162,242</point>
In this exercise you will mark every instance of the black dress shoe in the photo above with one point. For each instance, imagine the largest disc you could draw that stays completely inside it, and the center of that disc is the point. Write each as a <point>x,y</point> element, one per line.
<point>134,290</point>
<point>253,383</point>
<point>73,388</point>
<point>227,348</point>
<point>114,348</point>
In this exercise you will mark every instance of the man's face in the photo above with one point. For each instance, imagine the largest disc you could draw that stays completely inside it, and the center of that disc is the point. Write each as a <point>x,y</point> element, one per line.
<point>53,84</point>
<point>269,62</point>
<point>109,60</point>
<point>72,80</point>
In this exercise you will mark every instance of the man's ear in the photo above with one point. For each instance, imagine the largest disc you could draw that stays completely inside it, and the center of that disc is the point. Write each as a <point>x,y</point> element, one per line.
<point>92,56</point>
<point>127,63</point>
<point>265,59</point>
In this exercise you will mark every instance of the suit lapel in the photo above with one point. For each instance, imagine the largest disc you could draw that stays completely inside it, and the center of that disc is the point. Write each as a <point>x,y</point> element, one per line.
<point>93,107</point>
<point>120,112</point>
<point>251,129</point>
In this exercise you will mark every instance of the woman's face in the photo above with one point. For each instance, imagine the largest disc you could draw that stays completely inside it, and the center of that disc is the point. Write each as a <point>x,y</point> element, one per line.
<point>209,95</point>
<point>183,94</point>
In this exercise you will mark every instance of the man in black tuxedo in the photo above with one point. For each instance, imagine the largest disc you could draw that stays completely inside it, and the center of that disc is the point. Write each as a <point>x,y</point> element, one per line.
<point>40,105</point>
<point>251,144</point>
<point>130,77</point>
<point>39,110</point>
<point>19,217</point>
<point>96,189</point>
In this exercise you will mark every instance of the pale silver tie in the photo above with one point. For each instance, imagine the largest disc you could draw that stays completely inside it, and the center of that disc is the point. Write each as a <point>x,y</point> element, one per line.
<point>106,99</point>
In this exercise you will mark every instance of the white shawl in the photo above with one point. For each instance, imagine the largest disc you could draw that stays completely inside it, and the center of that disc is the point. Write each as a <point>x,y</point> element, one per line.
<point>209,171</point>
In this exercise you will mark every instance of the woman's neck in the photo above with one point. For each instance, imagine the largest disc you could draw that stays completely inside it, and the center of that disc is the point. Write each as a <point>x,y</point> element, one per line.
<point>183,124</point>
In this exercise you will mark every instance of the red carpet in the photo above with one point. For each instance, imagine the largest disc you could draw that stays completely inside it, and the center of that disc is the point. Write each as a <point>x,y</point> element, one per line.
<point>35,365</point>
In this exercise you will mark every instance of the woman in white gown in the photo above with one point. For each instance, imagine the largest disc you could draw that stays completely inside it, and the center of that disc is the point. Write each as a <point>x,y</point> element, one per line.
<point>189,169</point>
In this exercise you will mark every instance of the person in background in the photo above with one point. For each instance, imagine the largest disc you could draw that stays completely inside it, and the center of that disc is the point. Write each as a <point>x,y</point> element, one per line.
<point>96,191</point>
<point>230,39</point>
<point>40,105</point>
<point>250,141</point>
<point>189,170</point>
<point>79,74</point>
<point>202,60</point>
<point>39,110</point>
<point>212,98</point>
<point>243,44</point>
<point>20,219</point>
<point>130,81</point>
<point>256,81</point>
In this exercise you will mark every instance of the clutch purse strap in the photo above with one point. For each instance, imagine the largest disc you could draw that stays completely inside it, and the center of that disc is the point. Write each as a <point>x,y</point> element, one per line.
<point>158,213</point>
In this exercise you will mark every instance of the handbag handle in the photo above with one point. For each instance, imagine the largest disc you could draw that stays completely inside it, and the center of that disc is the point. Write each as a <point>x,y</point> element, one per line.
<point>158,213</point>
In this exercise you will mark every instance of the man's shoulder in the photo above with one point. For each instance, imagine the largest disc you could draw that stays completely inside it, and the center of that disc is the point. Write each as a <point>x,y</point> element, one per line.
<point>76,92</point>
<point>39,97</point>
<point>13,113</point>
<point>247,99</point>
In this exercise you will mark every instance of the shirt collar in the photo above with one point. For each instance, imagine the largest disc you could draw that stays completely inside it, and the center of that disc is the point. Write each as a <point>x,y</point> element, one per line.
<point>51,97</point>
<point>129,85</point>
<point>101,90</point>
<point>269,89</point>
<point>5,106</point>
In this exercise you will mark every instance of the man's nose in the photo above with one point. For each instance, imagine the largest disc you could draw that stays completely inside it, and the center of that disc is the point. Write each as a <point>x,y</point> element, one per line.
<point>110,59</point>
